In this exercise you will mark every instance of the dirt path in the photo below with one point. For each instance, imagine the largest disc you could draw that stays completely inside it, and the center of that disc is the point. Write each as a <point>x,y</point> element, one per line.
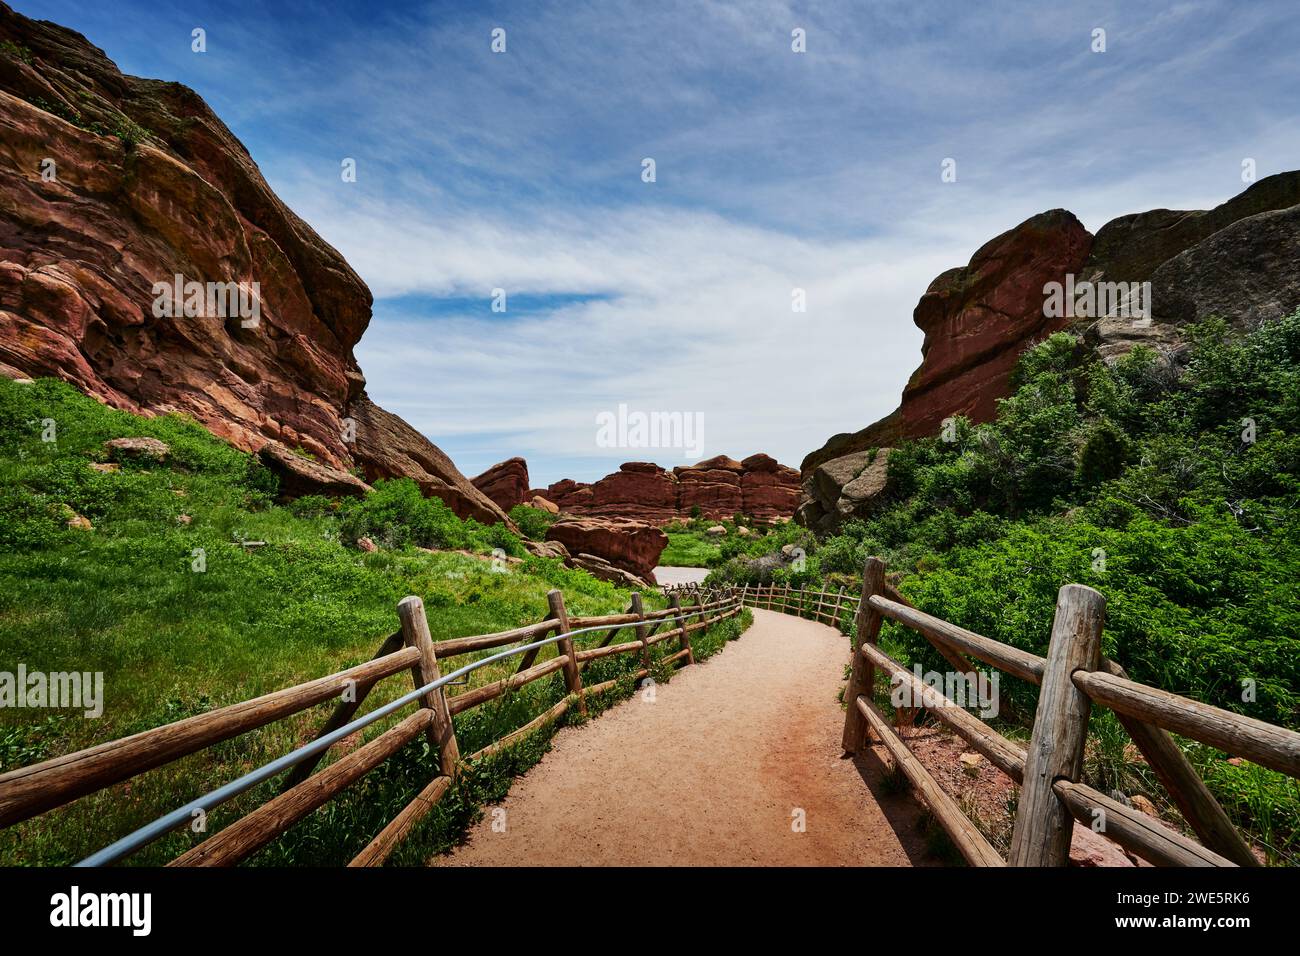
<point>666,575</point>
<point>712,772</point>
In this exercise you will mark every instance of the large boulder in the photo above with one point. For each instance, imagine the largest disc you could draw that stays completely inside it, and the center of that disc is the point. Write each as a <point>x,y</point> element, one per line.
<point>599,568</point>
<point>301,476</point>
<point>842,488</point>
<point>1236,261</point>
<point>633,546</point>
<point>148,185</point>
<point>505,483</point>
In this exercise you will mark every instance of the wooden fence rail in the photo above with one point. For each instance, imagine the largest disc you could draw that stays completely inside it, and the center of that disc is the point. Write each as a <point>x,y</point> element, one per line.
<point>38,788</point>
<point>1072,677</point>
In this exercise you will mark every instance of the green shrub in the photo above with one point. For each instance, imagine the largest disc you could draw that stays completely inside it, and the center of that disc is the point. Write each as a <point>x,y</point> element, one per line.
<point>533,522</point>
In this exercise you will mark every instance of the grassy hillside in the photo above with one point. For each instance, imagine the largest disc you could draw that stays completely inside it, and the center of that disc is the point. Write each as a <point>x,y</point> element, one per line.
<point>163,598</point>
<point>1174,493</point>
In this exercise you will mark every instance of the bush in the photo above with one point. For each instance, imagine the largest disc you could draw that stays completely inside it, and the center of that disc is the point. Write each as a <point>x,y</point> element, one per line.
<point>396,514</point>
<point>533,522</point>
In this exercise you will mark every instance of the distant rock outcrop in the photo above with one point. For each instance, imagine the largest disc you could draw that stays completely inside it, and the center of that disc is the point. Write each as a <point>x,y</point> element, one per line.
<point>759,487</point>
<point>633,546</point>
<point>506,483</point>
<point>111,186</point>
<point>1236,261</point>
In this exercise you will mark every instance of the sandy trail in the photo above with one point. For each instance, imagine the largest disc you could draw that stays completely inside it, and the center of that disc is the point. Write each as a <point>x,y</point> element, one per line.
<point>712,773</point>
<point>666,575</point>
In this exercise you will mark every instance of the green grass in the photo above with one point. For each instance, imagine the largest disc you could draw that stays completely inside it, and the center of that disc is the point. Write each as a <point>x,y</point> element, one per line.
<point>125,599</point>
<point>690,549</point>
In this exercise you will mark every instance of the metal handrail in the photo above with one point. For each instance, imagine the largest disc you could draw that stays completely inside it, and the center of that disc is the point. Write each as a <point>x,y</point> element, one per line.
<point>209,801</point>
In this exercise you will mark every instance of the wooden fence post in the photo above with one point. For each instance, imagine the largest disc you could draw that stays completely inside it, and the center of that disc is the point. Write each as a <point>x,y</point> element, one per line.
<point>684,643</point>
<point>642,632</point>
<point>862,675</point>
<point>1044,825</point>
<point>415,633</point>
<point>572,676</point>
<point>838,608</point>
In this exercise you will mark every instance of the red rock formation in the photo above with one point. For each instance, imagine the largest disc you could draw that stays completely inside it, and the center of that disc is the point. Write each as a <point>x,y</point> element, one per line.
<point>506,483</point>
<point>149,184</point>
<point>769,489</point>
<point>720,487</point>
<point>1236,260</point>
<point>977,320</point>
<point>632,545</point>
<point>713,486</point>
<point>639,489</point>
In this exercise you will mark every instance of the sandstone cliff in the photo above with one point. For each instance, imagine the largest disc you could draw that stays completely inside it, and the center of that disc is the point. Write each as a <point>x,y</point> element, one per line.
<point>506,483</point>
<point>760,487</point>
<point>112,183</point>
<point>1236,261</point>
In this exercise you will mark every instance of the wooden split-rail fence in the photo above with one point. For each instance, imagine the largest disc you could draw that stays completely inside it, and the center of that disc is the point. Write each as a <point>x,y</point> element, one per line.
<point>35,789</point>
<point>1072,677</point>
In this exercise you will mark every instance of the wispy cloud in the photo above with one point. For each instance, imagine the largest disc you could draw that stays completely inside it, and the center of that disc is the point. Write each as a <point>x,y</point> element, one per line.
<point>521,171</point>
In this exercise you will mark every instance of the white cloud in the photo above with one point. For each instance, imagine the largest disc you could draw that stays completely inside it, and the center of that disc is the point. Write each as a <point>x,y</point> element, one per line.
<point>698,320</point>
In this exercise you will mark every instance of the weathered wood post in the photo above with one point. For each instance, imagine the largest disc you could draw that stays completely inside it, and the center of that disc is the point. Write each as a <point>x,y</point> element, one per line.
<point>415,633</point>
<point>862,675</point>
<point>642,631</point>
<point>685,642</point>
<point>1043,824</point>
<point>837,608</point>
<point>572,676</point>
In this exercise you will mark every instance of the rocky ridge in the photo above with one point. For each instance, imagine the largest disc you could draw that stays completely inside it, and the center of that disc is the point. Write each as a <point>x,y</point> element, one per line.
<point>111,186</point>
<point>759,487</point>
<point>1236,261</point>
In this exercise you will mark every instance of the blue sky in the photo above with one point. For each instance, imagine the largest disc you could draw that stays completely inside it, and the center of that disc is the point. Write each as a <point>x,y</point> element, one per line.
<point>775,170</point>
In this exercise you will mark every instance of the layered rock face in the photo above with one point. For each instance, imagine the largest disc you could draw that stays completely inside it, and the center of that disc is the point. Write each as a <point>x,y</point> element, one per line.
<point>1236,261</point>
<point>506,483</point>
<point>632,545</point>
<point>110,184</point>
<point>720,487</point>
